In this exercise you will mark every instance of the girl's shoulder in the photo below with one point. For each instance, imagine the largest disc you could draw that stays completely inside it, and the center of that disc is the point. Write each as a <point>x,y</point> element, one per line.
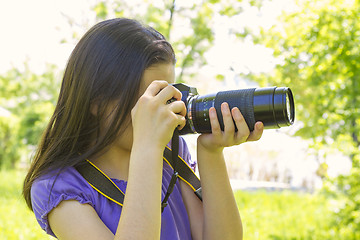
<point>48,191</point>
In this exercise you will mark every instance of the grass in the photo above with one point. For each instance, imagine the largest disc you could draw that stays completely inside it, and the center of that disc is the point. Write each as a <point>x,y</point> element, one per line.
<point>274,216</point>
<point>284,215</point>
<point>16,220</point>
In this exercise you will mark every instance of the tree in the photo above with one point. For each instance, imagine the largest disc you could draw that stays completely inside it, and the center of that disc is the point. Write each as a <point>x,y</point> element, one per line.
<point>317,47</point>
<point>29,100</point>
<point>188,26</point>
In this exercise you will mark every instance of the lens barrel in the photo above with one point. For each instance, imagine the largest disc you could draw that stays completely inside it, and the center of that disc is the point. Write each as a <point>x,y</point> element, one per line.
<point>274,106</point>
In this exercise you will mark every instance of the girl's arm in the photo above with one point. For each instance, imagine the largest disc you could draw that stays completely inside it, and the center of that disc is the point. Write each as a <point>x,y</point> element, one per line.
<point>140,217</point>
<point>153,122</point>
<point>219,216</point>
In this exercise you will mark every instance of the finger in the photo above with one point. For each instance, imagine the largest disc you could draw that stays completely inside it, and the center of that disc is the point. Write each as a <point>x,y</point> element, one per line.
<point>214,122</point>
<point>178,107</point>
<point>257,133</point>
<point>182,122</point>
<point>243,130</point>
<point>168,93</point>
<point>155,87</point>
<point>229,127</point>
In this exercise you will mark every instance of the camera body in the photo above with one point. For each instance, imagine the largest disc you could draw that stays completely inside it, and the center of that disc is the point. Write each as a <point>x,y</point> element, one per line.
<point>274,106</point>
<point>188,93</point>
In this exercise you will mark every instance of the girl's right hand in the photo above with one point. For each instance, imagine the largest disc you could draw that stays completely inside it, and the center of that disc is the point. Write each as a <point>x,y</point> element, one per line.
<point>153,118</point>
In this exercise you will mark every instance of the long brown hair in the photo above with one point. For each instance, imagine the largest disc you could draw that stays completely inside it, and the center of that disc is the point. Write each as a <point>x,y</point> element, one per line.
<point>106,66</point>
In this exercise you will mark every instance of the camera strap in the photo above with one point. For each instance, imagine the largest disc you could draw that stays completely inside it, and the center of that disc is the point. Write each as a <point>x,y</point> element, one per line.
<point>106,187</point>
<point>174,177</point>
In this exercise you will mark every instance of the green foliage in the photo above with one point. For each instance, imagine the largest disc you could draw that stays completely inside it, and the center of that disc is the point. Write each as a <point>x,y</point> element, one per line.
<point>345,189</point>
<point>9,145</point>
<point>188,26</point>
<point>16,220</point>
<point>28,99</point>
<point>318,52</point>
<point>317,47</point>
<point>101,10</point>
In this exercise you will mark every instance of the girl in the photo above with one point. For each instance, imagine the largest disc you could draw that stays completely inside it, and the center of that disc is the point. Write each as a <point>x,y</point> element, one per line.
<point>112,110</point>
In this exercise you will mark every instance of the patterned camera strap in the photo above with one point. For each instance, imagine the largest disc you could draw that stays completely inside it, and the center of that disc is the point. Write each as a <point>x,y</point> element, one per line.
<point>105,186</point>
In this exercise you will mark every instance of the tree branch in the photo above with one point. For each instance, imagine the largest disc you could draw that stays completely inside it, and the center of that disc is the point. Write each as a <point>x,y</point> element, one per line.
<point>170,22</point>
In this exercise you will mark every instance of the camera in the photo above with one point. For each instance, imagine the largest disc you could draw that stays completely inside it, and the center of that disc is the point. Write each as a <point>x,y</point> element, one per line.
<point>273,106</point>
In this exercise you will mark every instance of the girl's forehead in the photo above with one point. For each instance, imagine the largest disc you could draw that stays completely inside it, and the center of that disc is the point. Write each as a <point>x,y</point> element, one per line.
<point>164,71</point>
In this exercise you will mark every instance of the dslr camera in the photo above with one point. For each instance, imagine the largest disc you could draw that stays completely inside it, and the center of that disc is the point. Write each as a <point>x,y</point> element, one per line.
<point>273,106</point>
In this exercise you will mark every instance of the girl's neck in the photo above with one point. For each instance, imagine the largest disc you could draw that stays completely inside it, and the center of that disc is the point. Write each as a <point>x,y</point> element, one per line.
<point>114,163</point>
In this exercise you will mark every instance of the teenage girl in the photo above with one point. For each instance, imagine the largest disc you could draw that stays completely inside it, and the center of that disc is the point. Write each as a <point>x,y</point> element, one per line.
<point>112,110</point>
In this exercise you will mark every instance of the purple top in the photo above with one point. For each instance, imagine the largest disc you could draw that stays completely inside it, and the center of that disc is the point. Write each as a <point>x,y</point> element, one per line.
<point>70,185</point>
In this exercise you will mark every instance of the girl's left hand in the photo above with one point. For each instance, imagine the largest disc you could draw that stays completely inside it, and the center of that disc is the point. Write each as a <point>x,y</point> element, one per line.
<point>217,140</point>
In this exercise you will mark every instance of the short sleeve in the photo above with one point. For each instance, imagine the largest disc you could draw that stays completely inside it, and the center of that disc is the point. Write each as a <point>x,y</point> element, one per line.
<point>49,191</point>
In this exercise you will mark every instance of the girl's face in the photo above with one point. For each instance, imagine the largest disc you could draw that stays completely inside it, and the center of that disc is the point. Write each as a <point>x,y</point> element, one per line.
<point>165,72</point>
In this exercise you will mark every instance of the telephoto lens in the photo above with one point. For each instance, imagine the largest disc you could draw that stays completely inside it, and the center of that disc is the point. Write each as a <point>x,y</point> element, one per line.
<point>273,106</point>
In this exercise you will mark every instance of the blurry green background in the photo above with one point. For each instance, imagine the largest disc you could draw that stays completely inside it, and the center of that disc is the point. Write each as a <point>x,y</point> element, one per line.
<point>300,182</point>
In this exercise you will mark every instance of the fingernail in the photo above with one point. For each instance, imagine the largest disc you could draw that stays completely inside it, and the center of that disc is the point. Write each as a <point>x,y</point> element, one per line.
<point>212,111</point>
<point>224,106</point>
<point>236,112</point>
